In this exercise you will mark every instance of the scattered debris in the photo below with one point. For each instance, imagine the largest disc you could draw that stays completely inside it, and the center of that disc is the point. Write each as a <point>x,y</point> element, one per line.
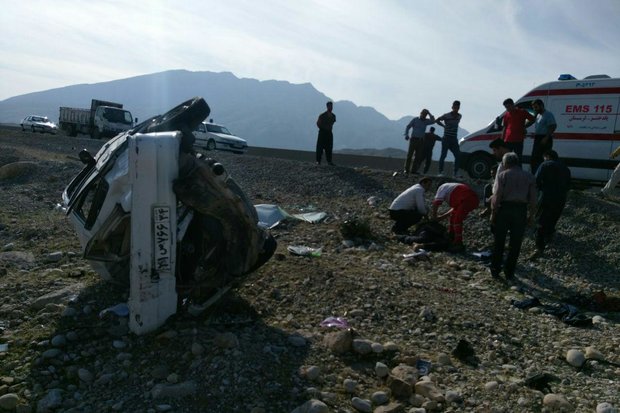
<point>335,322</point>
<point>304,250</point>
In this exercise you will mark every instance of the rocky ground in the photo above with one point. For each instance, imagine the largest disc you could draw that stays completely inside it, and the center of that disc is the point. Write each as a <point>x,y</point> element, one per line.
<point>263,349</point>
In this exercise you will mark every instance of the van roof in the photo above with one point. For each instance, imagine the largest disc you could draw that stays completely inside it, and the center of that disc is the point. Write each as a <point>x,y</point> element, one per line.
<point>588,86</point>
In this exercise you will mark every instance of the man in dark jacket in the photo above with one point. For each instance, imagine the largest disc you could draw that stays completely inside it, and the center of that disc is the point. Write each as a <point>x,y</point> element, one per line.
<point>553,182</point>
<point>512,204</point>
<point>325,140</point>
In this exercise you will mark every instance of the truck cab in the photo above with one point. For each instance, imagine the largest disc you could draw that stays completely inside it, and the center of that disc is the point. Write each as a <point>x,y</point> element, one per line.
<point>109,121</point>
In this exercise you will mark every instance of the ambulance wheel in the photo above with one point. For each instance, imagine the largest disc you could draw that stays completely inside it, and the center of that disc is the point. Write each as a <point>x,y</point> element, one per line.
<point>479,166</point>
<point>185,117</point>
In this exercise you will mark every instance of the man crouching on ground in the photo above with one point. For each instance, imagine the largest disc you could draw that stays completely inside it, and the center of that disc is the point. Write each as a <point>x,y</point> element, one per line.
<point>409,208</point>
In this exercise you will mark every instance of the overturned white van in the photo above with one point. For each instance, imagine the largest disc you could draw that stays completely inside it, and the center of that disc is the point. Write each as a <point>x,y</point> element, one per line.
<point>588,127</point>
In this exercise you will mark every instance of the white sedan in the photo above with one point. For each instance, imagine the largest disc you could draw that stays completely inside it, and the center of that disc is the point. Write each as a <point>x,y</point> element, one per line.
<point>39,123</point>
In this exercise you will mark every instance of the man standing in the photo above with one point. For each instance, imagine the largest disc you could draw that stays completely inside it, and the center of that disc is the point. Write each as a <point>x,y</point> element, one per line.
<point>512,206</point>
<point>416,141</point>
<point>514,127</point>
<point>450,123</point>
<point>429,143</point>
<point>462,200</point>
<point>409,208</point>
<point>499,149</point>
<point>615,176</point>
<point>543,139</point>
<point>553,182</point>
<point>325,140</point>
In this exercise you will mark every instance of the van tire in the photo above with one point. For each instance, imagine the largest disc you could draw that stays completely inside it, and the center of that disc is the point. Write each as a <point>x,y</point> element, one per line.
<point>184,117</point>
<point>479,166</point>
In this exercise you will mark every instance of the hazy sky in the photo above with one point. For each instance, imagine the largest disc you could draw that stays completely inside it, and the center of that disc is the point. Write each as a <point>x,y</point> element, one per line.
<point>395,55</point>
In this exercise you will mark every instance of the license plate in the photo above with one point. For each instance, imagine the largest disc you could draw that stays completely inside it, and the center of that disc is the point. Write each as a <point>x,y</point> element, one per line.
<point>163,240</point>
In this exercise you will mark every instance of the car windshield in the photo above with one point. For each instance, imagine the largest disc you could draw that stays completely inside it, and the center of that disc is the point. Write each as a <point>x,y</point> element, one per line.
<point>218,129</point>
<point>39,119</point>
<point>117,115</point>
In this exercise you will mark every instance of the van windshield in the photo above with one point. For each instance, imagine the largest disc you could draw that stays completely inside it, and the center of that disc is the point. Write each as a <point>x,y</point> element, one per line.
<point>218,129</point>
<point>497,125</point>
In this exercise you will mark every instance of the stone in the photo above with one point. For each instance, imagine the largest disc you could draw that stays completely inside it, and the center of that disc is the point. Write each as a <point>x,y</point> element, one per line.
<point>349,385</point>
<point>51,353</point>
<point>557,402</point>
<point>197,349</point>
<point>85,375</point>
<point>361,405</point>
<point>377,348</point>
<point>605,408</point>
<point>59,340</point>
<point>393,407</point>
<point>226,340</point>
<point>20,259</point>
<point>406,373</point>
<point>313,373</point>
<point>9,401</point>
<point>381,370</point>
<point>444,359</point>
<point>379,398</point>
<point>417,410</point>
<point>428,390</point>
<point>174,391</point>
<point>400,388</point>
<point>296,340</point>
<point>53,257</point>
<point>593,354</point>
<point>453,396</point>
<point>362,346</point>
<point>50,401</point>
<point>416,400</point>
<point>575,358</point>
<point>16,169</point>
<point>312,406</point>
<point>390,346</point>
<point>57,297</point>
<point>491,386</point>
<point>339,342</point>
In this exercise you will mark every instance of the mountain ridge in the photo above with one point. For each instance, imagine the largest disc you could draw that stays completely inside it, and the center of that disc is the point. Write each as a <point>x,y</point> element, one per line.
<point>268,113</point>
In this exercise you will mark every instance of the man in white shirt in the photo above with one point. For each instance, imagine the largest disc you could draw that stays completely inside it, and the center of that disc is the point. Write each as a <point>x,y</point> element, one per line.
<point>409,207</point>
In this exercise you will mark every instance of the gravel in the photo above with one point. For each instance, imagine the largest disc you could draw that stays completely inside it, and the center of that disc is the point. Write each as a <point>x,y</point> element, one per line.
<point>262,348</point>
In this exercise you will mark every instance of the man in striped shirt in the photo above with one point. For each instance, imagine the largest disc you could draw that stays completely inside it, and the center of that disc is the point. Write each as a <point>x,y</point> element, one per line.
<point>450,123</point>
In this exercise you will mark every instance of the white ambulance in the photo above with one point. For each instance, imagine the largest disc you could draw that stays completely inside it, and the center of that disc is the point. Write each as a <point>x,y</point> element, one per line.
<point>588,127</point>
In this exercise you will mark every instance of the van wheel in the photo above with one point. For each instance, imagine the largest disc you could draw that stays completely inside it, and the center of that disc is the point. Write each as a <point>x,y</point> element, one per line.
<point>479,167</point>
<point>33,130</point>
<point>211,145</point>
<point>185,117</point>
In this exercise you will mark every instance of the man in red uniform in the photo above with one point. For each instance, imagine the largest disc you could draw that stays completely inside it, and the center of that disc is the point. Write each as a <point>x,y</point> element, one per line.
<point>515,126</point>
<point>462,200</point>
